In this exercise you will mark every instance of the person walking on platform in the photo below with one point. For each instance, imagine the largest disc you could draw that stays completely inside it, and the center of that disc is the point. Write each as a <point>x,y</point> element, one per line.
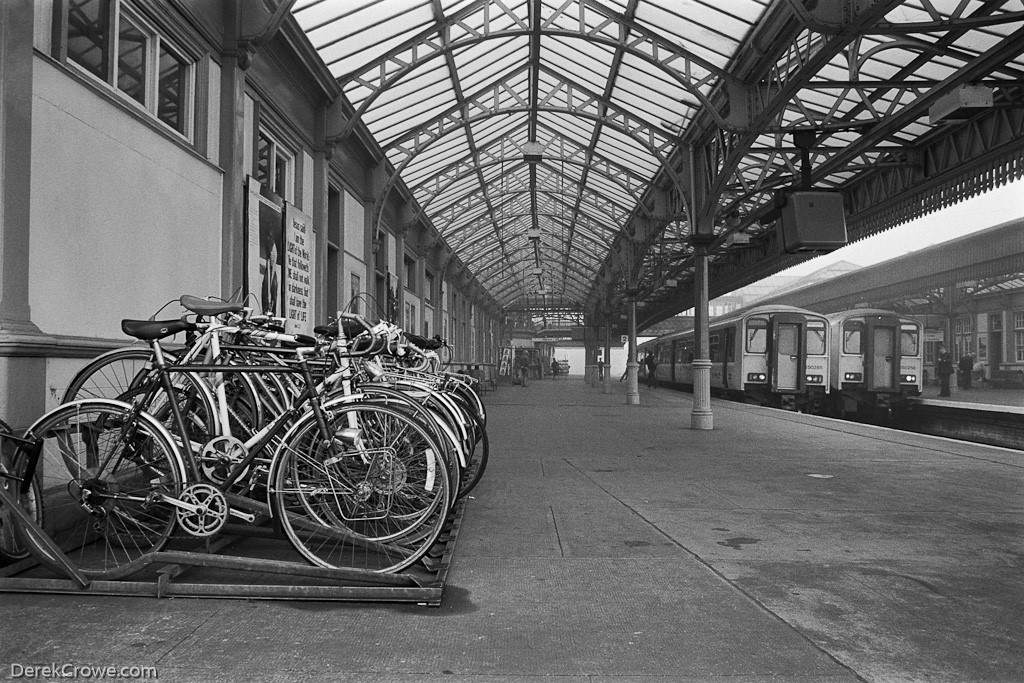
<point>966,368</point>
<point>522,368</point>
<point>651,364</point>
<point>944,368</point>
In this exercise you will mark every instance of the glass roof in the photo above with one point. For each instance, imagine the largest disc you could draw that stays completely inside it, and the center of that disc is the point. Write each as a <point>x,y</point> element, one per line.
<point>547,141</point>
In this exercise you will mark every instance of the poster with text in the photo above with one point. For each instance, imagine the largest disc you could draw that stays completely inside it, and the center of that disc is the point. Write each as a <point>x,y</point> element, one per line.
<point>298,280</point>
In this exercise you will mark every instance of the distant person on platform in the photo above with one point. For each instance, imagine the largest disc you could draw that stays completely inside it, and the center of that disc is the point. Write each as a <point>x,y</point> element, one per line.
<point>554,368</point>
<point>944,368</point>
<point>651,364</point>
<point>966,364</point>
<point>522,369</point>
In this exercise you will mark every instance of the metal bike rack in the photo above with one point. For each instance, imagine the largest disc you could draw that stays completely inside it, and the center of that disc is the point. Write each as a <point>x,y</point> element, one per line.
<point>253,570</point>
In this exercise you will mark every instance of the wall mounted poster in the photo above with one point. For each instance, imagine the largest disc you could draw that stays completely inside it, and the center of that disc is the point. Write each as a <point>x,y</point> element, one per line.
<point>264,253</point>
<point>298,288</point>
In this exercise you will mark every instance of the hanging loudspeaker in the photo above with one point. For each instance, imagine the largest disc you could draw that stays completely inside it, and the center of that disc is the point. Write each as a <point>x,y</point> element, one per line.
<point>813,221</point>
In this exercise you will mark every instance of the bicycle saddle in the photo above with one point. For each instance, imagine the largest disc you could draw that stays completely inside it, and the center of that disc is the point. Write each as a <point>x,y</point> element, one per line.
<point>204,307</point>
<point>155,329</point>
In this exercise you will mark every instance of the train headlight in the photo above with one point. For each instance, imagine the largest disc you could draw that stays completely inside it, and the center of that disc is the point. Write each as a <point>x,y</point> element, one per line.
<point>756,377</point>
<point>815,379</point>
<point>909,379</point>
<point>853,377</point>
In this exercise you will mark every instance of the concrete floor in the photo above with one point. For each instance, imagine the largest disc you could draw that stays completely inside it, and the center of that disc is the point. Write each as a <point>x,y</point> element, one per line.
<point>612,543</point>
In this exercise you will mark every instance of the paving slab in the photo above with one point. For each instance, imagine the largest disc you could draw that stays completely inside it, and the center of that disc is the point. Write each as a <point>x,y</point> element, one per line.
<point>612,543</point>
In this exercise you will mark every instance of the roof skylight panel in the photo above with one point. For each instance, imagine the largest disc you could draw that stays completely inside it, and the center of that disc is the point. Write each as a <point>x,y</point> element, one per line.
<point>623,150</point>
<point>389,122</point>
<point>576,131</point>
<point>701,29</point>
<point>489,61</point>
<point>590,62</point>
<point>434,158</point>
<point>664,81</point>
<point>351,46</point>
<point>450,7</point>
<point>566,16</point>
<point>451,194</point>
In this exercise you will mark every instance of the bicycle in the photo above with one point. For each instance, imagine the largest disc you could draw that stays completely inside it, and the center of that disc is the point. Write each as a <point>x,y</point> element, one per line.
<point>24,491</point>
<point>372,496</point>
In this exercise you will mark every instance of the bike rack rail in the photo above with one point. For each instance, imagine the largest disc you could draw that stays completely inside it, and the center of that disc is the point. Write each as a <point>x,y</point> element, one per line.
<point>255,565</point>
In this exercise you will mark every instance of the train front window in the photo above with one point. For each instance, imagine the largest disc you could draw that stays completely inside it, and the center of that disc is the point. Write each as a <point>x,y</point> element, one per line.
<point>757,335</point>
<point>909,341</point>
<point>816,338</point>
<point>788,344</point>
<point>852,336</point>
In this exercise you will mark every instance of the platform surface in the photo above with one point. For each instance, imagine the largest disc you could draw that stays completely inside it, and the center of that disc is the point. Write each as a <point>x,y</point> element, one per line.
<point>613,543</point>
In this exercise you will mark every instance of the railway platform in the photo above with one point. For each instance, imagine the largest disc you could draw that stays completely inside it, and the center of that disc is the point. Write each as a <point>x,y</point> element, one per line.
<point>609,542</point>
<point>1007,398</point>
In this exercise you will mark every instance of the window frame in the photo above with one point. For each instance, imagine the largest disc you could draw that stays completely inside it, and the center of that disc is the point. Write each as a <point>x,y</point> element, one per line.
<point>754,325</point>
<point>910,331</point>
<point>855,325</point>
<point>157,39</point>
<point>814,327</point>
<point>275,147</point>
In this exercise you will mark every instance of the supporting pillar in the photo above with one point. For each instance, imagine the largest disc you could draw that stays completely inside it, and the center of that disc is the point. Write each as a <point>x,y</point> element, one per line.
<point>234,137</point>
<point>632,380</point>
<point>607,381</point>
<point>701,416</point>
<point>320,212</point>
<point>22,365</point>
<point>590,357</point>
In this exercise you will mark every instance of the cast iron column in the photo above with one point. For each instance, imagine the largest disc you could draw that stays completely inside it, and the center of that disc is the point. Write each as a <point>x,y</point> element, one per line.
<point>632,381</point>
<point>607,381</point>
<point>701,416</point>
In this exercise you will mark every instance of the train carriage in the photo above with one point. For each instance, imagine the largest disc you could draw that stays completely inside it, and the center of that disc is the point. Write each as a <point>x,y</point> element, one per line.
<point>876,361</point>
<point>774,355</point>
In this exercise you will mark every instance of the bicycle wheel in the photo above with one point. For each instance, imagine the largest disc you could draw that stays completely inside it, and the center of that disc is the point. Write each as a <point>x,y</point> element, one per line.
<point>111,374</point>
<point>12,547</point>
<point>105,470</point>
<point>477,461</point>
<point>429,416</point>
<point>374,495</point>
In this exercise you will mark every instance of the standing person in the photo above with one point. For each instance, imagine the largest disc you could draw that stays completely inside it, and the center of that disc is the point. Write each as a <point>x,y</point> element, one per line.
<point>651,364</point>
<point>522,368</point>
<point>944,368</point>
<point>554,368</point>
<point>966,368</point>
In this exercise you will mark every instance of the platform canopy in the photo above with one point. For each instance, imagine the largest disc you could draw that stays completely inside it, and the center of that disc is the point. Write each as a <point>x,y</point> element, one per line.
<point>577,149</point>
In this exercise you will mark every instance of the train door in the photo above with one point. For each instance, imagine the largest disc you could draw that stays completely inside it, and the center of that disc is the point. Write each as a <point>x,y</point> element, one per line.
<point>995,340</point>
<point>728,353</point>
<point>882,355</point>
<point>786,360</point>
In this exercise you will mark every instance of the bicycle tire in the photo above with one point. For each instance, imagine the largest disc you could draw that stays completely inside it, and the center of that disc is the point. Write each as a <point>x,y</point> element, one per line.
<point>12,546</point>
<point>452,450</point>
<point>110,374</point>
<point>104,469</point>
<point>474,470</point>
<point>379,507</point>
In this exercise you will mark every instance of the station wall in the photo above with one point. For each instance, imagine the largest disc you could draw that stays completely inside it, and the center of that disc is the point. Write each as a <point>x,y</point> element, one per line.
<point>122,219</point>
<point>131,205</point>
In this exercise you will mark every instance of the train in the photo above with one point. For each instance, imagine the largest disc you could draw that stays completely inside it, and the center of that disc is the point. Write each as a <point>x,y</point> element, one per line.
<point>774,355</point>
<point>876,362</point>
<point>864,362</point>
